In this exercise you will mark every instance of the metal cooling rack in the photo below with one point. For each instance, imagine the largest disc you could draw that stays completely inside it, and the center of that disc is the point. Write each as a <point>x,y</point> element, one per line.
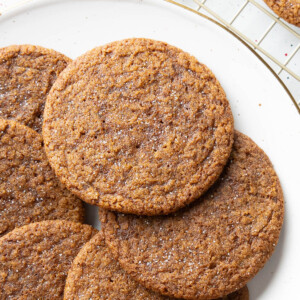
<point>286,66</point>
<point>256,44</point>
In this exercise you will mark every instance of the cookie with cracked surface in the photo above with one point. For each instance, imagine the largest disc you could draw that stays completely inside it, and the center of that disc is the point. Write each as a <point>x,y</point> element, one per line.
<point>29,189</point>
<point>137,126</point>
<point>35,259</point>
<point>289,10</point>
<point>26,75</point>
<point>94,274</point>
<point>214,246</point>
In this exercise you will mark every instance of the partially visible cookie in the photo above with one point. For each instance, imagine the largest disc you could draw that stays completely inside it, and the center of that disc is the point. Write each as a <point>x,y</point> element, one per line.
<point>137,126</point>
<point>35,259</point>
<point>289,10</point>
<point>26,75</point>
<point>94,274</point>
<point>29,189</point>
<point>214,246</point>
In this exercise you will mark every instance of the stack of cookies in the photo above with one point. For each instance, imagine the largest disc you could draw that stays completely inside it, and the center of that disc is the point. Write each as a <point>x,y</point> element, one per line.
<point>189,207</point>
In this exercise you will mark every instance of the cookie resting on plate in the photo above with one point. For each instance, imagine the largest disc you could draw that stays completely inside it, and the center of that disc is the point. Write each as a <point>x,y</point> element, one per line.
<point>35,259</point>
<point>137,126</point>
<point>215,245</point>
<point>29,189</point>
<point>26,75</point>
<point>94,274</point>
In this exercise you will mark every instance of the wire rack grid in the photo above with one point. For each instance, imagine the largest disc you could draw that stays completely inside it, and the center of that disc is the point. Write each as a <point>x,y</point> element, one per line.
<point>256,44</point>
<point>276,41</point>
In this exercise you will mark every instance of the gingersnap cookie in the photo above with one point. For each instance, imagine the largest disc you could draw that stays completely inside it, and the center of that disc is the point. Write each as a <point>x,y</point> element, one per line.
<point>137,126</point>
<point>215,245</point>
<point>26,75</point>
<point>35,259</point>
<point>94,274</point>
<point>289,10</point>
<point>29,189</point>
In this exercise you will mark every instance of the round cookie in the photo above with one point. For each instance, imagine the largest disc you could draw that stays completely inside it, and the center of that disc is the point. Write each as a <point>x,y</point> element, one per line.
<point>26,76</point>
<point>289,10</point>
<point>214,246</point>
<point>29,189</point>
<point>35,259</point>
<point>94,274</point>
<point>137,126</point>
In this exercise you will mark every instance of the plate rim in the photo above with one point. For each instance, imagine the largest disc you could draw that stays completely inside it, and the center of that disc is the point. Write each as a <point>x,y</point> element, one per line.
<point>23,3</point>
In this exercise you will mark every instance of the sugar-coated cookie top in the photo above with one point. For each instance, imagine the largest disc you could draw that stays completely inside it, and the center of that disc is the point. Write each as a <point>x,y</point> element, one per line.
<point>137,126</point>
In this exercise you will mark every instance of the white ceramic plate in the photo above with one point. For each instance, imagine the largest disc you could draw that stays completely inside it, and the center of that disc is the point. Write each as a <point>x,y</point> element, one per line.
<point>261,106</point>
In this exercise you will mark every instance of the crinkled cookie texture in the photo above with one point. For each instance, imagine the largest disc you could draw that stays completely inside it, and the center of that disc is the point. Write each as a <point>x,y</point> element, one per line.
<point>137,126</point>
<point>94,274</point>
<point>289,10</point>
<point>35,259</point>
<point>215,245</point>
<point>26,75</point>
<point>29,189</point>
